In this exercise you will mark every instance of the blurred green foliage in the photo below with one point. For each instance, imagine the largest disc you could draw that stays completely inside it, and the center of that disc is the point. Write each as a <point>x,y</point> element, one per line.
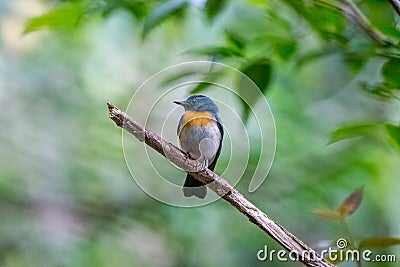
<point>66,196</point>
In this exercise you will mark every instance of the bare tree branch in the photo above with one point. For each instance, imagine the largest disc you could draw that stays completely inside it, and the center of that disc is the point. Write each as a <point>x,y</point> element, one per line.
<point>396,5</point>
<point>353,13</point>
<point>290,242</point>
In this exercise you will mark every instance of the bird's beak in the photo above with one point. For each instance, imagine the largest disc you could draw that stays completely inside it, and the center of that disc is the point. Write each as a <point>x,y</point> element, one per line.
<point>180,103</point>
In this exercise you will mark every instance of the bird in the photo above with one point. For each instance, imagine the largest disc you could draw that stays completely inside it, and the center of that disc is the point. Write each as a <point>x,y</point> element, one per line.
<point>200,131</point>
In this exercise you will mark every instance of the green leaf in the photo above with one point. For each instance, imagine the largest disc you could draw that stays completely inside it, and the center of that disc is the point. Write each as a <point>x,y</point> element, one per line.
<point>179,76</point>
<point>355,62</point>
<point>214,7</point>
<point>259,72</point>
<point>378,242</point>
<point>162,12</point>
<point>66,16</point>
<point>391,73</point>
<point>390,30</point>
<point>328,22</point>
<point>209,79</point>
<point>327,213</point>
<point>137,8</point>
<point>380,14</point>
<point>215,51</point>
<point>315,55</point>
<point>351,131</point>
<point>258,2</point>
<point>351,203</point>
<point>235,39</point>
<point>394,132</point>
<point>284,48</point>
<point>380,91</point>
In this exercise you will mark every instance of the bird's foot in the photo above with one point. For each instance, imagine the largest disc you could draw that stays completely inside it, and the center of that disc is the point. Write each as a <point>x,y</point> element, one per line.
<point>204,165</point>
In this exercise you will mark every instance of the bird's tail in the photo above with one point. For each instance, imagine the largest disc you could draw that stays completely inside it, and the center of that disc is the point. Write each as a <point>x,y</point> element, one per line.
<point>193,187</point>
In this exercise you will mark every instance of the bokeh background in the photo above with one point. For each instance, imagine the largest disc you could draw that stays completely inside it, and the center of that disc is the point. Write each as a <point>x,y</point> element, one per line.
<point>66,195</point>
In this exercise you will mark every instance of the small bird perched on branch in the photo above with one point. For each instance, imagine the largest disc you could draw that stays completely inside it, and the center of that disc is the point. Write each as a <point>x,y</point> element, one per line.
<point>200,132</point>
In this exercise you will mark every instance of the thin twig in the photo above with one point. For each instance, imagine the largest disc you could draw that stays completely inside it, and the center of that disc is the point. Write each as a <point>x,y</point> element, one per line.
<point>304,253</point>
<point>396,5</point>
<point>347,232</point>
<point>355,14</point>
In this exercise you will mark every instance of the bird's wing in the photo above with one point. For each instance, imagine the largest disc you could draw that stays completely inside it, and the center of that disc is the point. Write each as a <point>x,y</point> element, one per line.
<point>180,124</point>
<point>221,130</point>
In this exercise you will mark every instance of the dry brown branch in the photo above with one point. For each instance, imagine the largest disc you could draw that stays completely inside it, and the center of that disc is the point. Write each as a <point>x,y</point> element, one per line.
<point>290,242</point>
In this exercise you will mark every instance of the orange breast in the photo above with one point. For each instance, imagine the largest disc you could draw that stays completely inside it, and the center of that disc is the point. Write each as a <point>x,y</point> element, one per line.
<point>194,118</point>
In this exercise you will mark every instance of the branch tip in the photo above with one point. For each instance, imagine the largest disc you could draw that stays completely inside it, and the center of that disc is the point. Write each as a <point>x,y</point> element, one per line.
<point>115,114</point>
<point>110,106</point>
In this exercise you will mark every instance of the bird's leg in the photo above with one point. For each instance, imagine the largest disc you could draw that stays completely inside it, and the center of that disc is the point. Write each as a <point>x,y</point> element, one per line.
<point>203,163</point>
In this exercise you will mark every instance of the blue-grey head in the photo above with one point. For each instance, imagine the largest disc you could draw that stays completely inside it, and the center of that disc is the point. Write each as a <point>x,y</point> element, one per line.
<point>198,103</point>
